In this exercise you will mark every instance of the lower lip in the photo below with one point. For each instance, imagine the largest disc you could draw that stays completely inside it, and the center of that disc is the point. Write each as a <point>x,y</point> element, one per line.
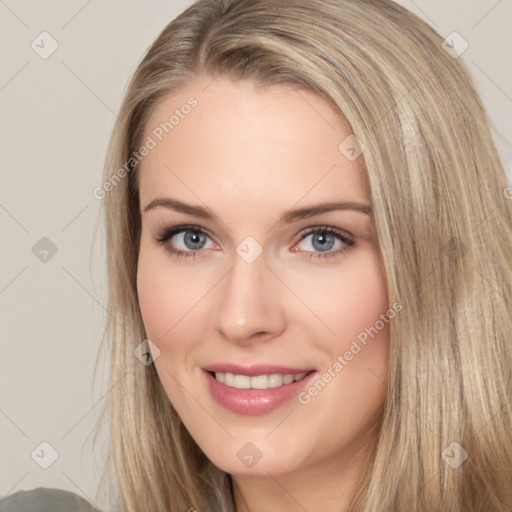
<point>254,401</point>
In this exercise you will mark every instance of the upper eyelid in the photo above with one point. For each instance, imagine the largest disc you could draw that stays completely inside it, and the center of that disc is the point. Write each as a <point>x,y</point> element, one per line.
<point>322,227</point>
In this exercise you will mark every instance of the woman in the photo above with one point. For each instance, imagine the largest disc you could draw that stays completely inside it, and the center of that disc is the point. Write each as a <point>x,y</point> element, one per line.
<point>249,109</point>
<point>309,240</point>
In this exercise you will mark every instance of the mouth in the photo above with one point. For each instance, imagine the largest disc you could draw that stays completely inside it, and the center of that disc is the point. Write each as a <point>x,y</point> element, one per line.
<point>264,381</point>
<point>257,393</point>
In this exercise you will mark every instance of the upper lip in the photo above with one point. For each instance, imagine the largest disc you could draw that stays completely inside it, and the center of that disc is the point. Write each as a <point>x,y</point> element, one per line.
<point>254,369</point>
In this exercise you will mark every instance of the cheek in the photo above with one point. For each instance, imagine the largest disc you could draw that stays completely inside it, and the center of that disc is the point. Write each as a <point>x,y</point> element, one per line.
<point>365,299</point>
<point>165,295</point>
<point>155,299</point>
<point>164,300</point>
<point>355,303</point>
<point>348,299</point>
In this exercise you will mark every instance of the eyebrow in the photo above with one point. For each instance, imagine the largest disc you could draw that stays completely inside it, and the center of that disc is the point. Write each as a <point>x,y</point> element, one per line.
<point>287,218</point>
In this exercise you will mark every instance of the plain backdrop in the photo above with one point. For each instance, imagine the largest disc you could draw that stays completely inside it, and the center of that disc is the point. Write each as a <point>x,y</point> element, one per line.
<point>56,117</point>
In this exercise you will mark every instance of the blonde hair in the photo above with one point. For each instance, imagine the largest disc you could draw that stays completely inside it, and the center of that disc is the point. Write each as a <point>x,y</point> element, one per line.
<point>444,229</point>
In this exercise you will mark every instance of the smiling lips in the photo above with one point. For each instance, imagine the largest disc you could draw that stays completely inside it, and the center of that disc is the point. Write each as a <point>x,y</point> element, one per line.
<point>256,389</point>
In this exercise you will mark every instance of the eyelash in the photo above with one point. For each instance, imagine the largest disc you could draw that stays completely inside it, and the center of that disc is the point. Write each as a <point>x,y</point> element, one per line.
<point>168,233</point>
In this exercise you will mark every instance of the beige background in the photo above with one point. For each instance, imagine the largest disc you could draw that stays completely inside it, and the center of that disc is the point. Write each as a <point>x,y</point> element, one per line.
<point>56,117</point>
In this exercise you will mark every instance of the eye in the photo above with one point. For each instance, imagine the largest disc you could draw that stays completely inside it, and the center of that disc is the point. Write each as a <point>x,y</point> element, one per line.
<point>318,241</point>
<point>185,241</point>
<point>323,239</point>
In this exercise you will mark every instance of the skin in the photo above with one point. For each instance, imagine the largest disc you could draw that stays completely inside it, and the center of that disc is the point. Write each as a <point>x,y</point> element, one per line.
<point>250,154</point>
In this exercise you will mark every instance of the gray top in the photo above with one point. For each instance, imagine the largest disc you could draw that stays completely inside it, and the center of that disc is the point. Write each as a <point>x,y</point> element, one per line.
<point>45,499</point>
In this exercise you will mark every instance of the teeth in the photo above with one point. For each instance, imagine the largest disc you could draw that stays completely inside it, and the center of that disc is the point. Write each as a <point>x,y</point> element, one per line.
<point>242,382</point>
<point>288,378</point>
<point>272,380</point>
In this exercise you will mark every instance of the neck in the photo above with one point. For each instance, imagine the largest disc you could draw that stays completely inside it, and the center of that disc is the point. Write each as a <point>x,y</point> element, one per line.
<point>327,485</point>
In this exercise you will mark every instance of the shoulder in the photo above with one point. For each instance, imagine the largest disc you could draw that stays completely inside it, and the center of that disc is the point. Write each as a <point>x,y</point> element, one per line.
<point>44,499</point>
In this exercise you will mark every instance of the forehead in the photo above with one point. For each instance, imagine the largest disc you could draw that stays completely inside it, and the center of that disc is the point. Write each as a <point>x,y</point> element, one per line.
<point>248,144</point>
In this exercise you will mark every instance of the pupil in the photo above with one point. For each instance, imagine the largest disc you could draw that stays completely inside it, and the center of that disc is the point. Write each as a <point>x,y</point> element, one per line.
<point>326,242</point>
<point>193,238</point>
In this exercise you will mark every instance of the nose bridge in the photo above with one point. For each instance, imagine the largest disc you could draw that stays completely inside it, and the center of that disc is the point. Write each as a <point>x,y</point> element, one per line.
<point>248,301</point>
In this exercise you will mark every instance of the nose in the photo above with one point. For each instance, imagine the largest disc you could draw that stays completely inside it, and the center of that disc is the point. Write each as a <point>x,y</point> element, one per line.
<point>249,304</point>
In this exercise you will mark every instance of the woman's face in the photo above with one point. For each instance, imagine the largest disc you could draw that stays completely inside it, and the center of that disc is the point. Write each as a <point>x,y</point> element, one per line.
<point>277,275</point>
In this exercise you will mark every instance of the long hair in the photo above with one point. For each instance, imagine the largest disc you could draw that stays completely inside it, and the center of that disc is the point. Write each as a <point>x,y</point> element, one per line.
<point>444,232</point>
